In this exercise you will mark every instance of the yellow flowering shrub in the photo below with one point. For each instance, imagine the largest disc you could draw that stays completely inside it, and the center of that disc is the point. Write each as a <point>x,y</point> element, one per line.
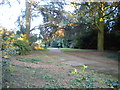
<point>23,38</point>
<point>7,38</point>
<point>7,41</point>
<point>60,32</point>
<point>20,39</point>
<point>38,47</point>
<point>22,45</point>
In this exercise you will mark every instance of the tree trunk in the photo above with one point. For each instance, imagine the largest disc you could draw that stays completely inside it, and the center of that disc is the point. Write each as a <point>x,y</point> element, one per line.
<point>28,18</point>
<point>21,25</point>
<point>101,37</point>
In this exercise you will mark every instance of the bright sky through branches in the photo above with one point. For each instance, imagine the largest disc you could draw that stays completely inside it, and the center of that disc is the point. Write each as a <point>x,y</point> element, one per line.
<point>9,14</point>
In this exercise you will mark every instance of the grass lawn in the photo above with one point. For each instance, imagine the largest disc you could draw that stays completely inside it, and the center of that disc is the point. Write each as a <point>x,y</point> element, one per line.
<point>71,49</point>
<point>45,49</point>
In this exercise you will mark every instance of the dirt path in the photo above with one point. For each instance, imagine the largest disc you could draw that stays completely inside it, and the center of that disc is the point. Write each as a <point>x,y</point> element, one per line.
<point>97,63</point>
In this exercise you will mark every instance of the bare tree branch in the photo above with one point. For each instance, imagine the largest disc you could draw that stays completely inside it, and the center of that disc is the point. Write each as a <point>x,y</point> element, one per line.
<point>36,27</point>
<point>110,21</point>
<point>111,11</point>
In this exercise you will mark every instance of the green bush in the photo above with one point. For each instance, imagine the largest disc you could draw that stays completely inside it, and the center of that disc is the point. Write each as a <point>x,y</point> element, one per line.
<point>33,39</point>
<point>54,44</point>
<point>87,40</point>
<point>22,47</point>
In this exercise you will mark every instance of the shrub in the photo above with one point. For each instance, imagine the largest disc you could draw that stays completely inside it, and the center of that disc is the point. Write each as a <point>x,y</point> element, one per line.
<point>22,47</point>
<point>87,40</point>
<point>54,44</point>
<point>33,39</point>
<point>7,38</point>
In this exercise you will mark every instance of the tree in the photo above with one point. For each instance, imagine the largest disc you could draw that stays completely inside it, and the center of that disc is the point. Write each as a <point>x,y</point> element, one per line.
<point>47,32</point>
<point>113,34</point>
<point>24,20</point>
<point>52,12</point>
<point>53,16</point>
<point>28,18</point>
<point>99,13</point>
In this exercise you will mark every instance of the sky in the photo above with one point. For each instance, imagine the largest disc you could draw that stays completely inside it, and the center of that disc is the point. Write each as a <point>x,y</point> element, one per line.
<point>9,14</point>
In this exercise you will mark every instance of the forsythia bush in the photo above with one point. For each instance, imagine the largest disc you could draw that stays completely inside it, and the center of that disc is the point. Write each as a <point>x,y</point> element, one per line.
<point>38,47</point>
<point>6,38</point>
<point>22,45</point>
<point>7,42</point>
<point>12,45</point>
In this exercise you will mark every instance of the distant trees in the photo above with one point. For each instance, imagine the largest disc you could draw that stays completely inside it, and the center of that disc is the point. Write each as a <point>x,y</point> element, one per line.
<point>53,16</point>
<point>47,32</point>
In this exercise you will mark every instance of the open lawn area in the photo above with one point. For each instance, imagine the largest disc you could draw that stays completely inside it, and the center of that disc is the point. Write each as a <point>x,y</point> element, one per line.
<point>70,49</point>
<point>53,69</point>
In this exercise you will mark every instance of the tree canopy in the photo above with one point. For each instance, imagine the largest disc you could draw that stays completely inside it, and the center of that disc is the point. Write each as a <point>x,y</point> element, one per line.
<point>89,25</point>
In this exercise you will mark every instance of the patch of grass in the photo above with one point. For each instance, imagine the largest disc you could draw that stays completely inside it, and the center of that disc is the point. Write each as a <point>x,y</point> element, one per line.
<point>45,49</point>
<point>112,56</point>
<point>49,62</point>
<point>54,84</point>
<point>82,67</point>
<point>71,49</point>
<point>46,56</point>
<point>89,82</point>
<point>59,76</point>
<point>60,64</point>
<point>77,83</point>
<point>92,80</point>
<point>47,76</point>
<point>32,60</point>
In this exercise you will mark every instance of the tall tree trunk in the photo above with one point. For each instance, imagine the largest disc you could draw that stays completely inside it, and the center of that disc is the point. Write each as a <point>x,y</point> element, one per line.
<point>101,37</point>
<point>100,44</point>
<point>28,18</point>
<point>21,22</point>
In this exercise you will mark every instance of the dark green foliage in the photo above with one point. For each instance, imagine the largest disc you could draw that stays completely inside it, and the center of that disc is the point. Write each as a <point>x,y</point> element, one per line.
<point>22,47</point>
<point>47,76</point>
<point>116,84</point>
<point>54,44</point>
<point>88,82</point>
<point>87,40</point>
<point>5,72</point>
<point>112,56</point>
<point>112,40</point>
<point>32,60</point>
<point>112,37</point>
<point>33,39</point>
